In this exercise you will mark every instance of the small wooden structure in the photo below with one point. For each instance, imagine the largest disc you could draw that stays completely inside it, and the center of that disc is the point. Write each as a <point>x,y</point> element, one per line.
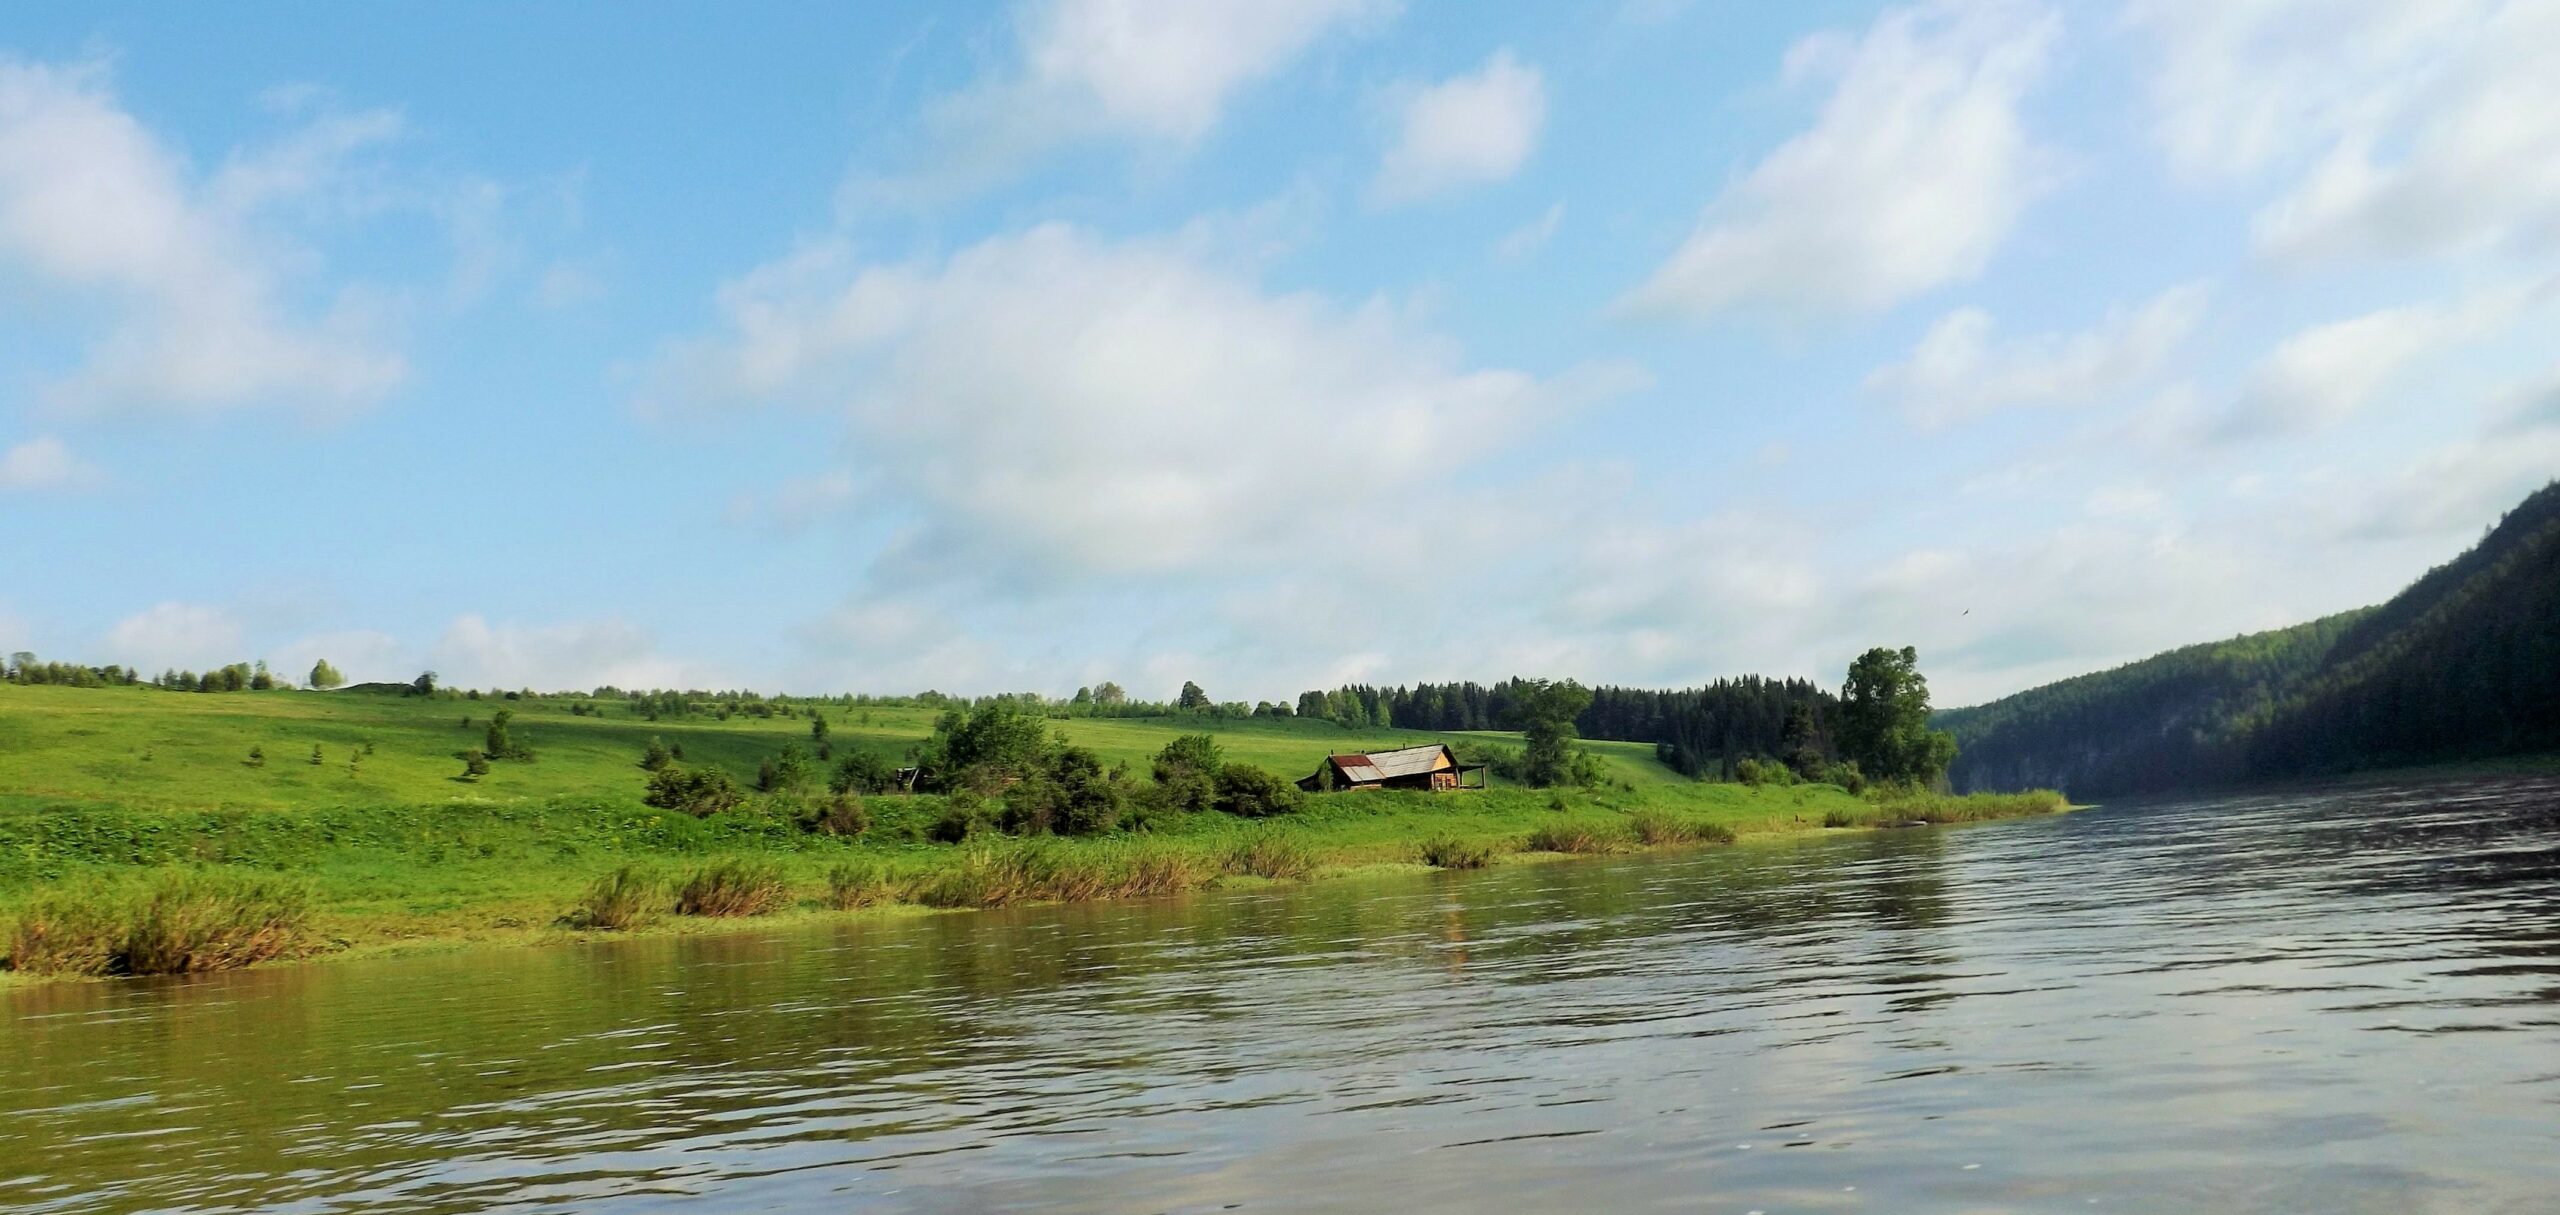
<point>1433,767</point>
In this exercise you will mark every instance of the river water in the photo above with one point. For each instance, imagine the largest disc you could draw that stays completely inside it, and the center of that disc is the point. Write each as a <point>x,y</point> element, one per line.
<point>2339,1000</point>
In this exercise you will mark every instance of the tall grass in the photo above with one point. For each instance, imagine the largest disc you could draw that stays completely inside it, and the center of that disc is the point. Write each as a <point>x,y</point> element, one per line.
<point>854,885</point>
<point>1044,872</point>
<point>1271,853</point>
<point>181,922</point>
<point>1570,837</point>
<point>1927,807</point>
<point>1659,827</point>
<point>628,897</point>
<point>733,887</point>
<point>1448,852</point>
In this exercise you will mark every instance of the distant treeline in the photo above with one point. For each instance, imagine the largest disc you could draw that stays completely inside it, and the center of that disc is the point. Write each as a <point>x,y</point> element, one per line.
<point>2464,664</point>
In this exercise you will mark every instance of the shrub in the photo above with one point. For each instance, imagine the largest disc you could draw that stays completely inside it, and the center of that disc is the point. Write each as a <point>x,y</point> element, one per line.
<point>843,815</point>
<point>474,765</point>
<point>701,793</point>
<point>625,898</point>
<point>859,885</point>
<point>863,772</point>
<point>1186,773</point>
<point>1845,775</point>
<point>257,757</point>
<point>963,819</point>
<point>1569,837</point>
<point>1249,792</point>
<point>733,888</point>
<point>1449,853</point>
<point>182,922</point>
<point>1758,772</point>
<point>786,772</point>
<point>1270,853</point>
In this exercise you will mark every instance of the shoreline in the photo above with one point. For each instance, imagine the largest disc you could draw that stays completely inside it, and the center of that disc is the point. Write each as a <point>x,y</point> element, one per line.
<point>1328,851</point>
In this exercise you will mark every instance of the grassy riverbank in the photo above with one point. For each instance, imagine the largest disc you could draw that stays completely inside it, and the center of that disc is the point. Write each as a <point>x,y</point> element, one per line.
<point>135,834</point>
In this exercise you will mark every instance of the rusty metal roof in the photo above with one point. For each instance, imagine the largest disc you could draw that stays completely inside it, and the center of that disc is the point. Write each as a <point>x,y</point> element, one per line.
<point>1382,765</point>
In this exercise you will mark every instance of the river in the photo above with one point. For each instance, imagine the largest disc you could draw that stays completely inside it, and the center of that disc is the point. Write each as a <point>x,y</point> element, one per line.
<point>2327,1000</point>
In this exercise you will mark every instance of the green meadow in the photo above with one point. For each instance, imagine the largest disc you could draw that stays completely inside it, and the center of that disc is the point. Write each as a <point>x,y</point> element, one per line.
<point>125,811</point>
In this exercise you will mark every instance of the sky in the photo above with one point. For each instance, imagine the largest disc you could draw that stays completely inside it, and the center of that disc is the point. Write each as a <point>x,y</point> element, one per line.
<point>1272,344</point>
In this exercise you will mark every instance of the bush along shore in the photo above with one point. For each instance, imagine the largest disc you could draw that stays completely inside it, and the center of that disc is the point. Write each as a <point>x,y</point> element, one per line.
<point>123,892</point>
<point>154,862</point>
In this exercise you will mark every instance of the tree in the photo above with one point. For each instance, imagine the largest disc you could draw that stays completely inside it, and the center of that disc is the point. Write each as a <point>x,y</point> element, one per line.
<point>1800,743</point>
<point>1249,792</point>
<point>1192,700</point>
<point>654,756</point>
<point>1108,693</point>
<point>1188,770</point>
<point>863,772</point>
<point>817,729</point>
<point>262,680</point>
<point>424,684</point>
<point>501,745</point>
<point>1884,720</point>
<point>787,772</point>
<point>1546,710</point>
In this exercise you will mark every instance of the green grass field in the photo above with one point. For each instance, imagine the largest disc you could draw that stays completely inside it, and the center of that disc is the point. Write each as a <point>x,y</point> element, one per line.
<point>143,747</point>
<point>105,790</point>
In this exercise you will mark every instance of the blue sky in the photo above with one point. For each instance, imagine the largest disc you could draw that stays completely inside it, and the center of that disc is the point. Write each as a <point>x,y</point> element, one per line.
<point>1272,343</point>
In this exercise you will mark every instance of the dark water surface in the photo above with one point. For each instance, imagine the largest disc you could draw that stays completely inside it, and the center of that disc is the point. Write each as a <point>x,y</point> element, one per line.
<point>2333,1001</point>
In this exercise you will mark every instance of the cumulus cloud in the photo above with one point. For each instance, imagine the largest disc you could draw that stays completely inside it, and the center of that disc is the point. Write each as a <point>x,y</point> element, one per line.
<point>555,657</point>
<point>1914,173</point>
<point>95,206</point>
<point>177,634</point>
<point>2326,373</point>
<point>2406,127</point>
<point>1162,71</point>
<point>1146,411</point>
<point>1464,131</point>
<point>1961,369</point>
<point>45,463</point>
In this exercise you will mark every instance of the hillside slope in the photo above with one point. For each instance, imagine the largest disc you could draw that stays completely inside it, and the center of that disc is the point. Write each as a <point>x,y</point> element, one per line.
<point>2464,664</point>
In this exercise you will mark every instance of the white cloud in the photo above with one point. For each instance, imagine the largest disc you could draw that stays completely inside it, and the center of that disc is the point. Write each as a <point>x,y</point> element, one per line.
<point>556,657</point>
<point>194,636</point>
<point>1155,70</point>
<point>1960,370</point>
<point>2324,374</point>
<point>1464,131</point>
<point>45,463</point>
<point>1530,237</point>
<point>2450,493</point>
<point>1146,411</point>
<point>362,655</point>
<point>94,204</point>
<point>1910,179</point>
<point>2407,127</point>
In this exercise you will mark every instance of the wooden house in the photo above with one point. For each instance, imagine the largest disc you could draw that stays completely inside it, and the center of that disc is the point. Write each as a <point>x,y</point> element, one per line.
<point>1434,767</point>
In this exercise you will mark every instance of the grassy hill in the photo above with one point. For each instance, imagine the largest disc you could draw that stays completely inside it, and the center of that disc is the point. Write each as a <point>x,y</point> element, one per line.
<point>2464,664</point>
<point>140,746</point>
<point>146,830</point>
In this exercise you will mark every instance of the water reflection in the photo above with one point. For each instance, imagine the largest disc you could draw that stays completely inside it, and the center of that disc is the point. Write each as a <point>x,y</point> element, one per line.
<point>2338,1001</point>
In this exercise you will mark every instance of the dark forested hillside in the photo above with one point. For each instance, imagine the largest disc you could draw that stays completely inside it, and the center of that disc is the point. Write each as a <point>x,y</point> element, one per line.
<point>2464,664</point>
